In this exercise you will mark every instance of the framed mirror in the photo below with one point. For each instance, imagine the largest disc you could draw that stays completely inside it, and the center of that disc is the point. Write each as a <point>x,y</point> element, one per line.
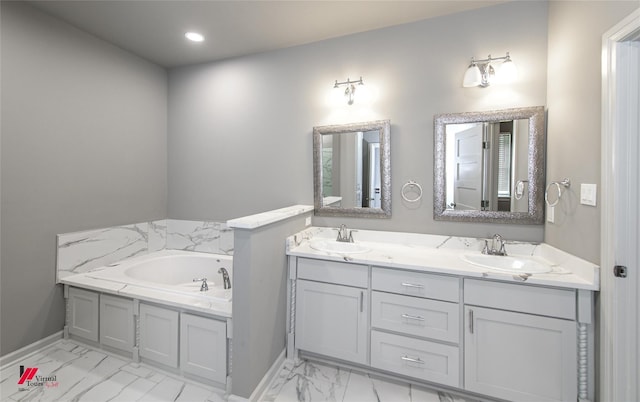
<point>489,166</point>
<point>352,170</point>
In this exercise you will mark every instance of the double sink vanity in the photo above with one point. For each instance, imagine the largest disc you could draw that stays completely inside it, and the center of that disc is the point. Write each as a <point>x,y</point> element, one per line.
<point>492,319</point>
<point>435,310</point>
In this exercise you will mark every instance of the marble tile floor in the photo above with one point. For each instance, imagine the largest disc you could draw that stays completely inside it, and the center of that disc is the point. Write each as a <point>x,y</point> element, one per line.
<point>310,381</point>
<point>76,372</point>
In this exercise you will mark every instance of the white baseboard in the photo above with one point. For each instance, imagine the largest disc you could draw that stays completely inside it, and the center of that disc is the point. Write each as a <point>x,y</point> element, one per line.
<point>261,388</point>
<point>29,349</point>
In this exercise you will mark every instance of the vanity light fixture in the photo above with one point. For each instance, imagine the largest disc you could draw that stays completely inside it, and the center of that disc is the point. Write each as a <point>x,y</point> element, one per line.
<point>350,90</point>
<point>481,73</point>
<point>194,36</point>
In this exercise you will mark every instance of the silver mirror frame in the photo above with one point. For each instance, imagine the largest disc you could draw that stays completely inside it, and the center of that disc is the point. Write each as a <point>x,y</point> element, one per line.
<point>384,128</point>
<point>535,213</point>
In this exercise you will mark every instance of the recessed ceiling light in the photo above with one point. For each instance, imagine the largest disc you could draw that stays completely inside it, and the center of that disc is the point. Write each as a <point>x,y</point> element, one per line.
<point>194,36</point>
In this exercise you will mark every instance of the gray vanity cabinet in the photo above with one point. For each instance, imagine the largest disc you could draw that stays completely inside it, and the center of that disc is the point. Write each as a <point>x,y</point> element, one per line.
<point>83,313</point>
<point>520,342</point>
<point>331,318</point>
<point>203,347</point>
<point>415,325</point>
<point>117,322</point>
<point>159,334</point>
<point>504,340</point>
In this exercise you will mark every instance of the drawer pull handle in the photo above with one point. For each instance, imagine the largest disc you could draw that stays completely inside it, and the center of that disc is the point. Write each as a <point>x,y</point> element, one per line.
<point>413,285</point>
<point>412,359</point>
<point>412,317</point>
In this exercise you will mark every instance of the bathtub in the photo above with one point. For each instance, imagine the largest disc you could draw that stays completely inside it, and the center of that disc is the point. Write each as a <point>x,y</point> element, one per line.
<point>171,271</point>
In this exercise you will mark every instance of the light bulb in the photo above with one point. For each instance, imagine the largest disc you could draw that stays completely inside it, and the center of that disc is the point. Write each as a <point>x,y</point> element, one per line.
<point>508,71</point>
<point>472,77</point>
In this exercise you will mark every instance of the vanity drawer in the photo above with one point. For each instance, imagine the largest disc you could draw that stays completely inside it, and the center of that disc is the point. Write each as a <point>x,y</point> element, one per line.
<point>418,284</point>
<point>552,302</point>
<point>333,272</point>
<point>416,358</point>
<point>416,316</point>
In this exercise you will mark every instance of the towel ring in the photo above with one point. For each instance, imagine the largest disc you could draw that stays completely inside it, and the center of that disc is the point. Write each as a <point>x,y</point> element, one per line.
<point>566,183</point>
<point>411,184</point>
<point>519,190</point>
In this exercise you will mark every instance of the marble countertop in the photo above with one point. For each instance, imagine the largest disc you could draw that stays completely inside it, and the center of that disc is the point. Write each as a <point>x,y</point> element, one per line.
<point>197,303</point>
<point>443,254</point>
<point>269,217</point>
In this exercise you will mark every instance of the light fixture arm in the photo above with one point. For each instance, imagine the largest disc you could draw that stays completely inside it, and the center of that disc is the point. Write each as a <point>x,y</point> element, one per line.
<point>348,82</point>
<point>481,72</point>
<point>489,59</point>
<point>350,90</point>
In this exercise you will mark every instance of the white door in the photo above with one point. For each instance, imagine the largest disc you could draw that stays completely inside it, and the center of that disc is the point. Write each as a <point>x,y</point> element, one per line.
<point>620,239</point>
<point>468,173</point>
<point>332,320</point>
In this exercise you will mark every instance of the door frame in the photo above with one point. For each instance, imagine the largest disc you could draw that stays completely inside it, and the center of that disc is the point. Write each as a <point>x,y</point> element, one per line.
<point>619,297</point>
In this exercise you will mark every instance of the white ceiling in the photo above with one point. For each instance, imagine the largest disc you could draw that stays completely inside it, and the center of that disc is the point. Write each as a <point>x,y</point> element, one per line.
<point>155,29</point>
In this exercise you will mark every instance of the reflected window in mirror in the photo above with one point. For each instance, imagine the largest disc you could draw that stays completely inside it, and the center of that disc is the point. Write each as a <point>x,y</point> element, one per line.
<point>352,169</point>
<point>489,166</point>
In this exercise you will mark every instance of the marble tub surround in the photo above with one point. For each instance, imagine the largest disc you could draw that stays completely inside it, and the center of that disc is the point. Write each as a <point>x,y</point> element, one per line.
<point>80,252</point>
<point>202,236</point>
<point>266,218</point>
<point>443,254</point>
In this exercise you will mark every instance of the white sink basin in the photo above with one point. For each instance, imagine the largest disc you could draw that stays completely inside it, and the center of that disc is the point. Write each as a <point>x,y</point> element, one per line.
<point>332,246</point>
<point>515,264</point>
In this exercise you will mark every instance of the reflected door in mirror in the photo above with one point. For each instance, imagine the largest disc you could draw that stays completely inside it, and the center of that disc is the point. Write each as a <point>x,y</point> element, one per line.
<point>488,164</point>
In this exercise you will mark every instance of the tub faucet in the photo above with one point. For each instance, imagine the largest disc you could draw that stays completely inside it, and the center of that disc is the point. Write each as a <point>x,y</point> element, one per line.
<point>204,286</point>
<point>225,277</point>
<point>495,243</point>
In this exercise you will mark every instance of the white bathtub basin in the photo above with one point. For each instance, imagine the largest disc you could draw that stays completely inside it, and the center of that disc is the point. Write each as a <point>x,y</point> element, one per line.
<point>333,246</point>
<point>514,264</point>
<point>173,271</point>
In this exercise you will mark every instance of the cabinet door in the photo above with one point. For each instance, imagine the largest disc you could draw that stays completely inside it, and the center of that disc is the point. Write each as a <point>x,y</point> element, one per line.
<point>520,357</point>
<point>83,310</point>
<point>116,322</point>
<point>159,335</point>
<point>332,320</point>
<point>203,347</point>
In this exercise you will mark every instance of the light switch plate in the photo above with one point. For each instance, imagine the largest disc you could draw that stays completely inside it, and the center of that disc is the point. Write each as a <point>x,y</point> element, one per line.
<point>588,193</point>
<point>551,214</point>
<point>307,221</point>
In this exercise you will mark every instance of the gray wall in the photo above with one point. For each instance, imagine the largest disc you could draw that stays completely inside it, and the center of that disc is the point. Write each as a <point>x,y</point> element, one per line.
<point>83,146</point>
<point>240,130</point>
<point>259,300</point>
<point>574,110</point>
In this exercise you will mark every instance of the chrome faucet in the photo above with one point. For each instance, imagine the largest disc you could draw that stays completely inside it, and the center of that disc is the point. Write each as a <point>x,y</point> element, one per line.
<point>345,235</point>
<point>204,286</point>
<point>497,246</point>
<point>225,277</point>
